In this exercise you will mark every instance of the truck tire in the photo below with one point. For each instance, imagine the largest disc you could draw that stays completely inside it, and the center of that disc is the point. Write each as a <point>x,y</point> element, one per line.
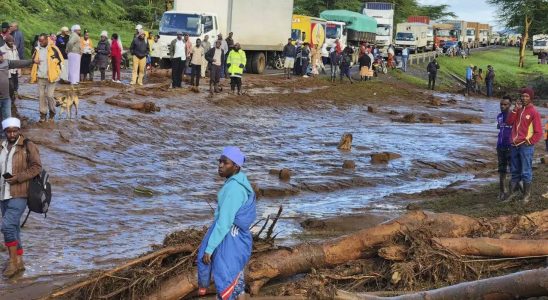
<point>258,63</point>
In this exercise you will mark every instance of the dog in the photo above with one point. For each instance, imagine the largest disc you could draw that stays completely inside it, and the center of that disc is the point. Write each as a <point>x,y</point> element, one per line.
<point>66,102</point>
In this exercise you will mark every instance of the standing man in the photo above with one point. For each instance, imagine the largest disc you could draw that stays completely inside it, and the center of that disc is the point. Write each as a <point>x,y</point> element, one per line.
<point>432,70</point>
<point>215,58</point>
<point>504,145</point>
<point>46,73</point>
<point>177,52</point>
<point>139,50</point>
<point>289,53</point>
<point>226,247</point>
<point>6,64</point>
<point>230,41</point>
<point>19,39</point>
<point>61,43</point>
<point>224,46</point>
<point>74,51</point>
<point>188,49</point>
<point>236,63</point>
<point>305,59</point>
<point>19,163</point>
<point>197,57</point>
<point>11,53</point>
<point>207,46</point>
<point>469,79</point>
<point>404,58</point>
<point>346,59</point>
<point>335,59</point>
<point>489,79</point>
<point>526,132</point>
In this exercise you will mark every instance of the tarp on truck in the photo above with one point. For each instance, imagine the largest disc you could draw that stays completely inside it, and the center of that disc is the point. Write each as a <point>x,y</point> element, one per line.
<point>354,21</point>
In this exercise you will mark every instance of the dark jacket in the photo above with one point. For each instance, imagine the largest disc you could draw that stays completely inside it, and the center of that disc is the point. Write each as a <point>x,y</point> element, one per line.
<point>305,54</point>
<point>103,51</point>
<point>61,43</point>
<point>19,43</point>
<point>289,51</point>
<point>365,61</point>
<point>490,75</point>
<point>24,167</point>
<point>432,68</point>
<point>139,48</point>
<point>5,66</point>
<point>209,55</point>
<point>335,58</point>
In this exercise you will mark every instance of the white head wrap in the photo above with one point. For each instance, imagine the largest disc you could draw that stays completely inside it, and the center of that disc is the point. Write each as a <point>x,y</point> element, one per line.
<point>75,27</point>
<point>64,28</point>
<point>138,27</point>
<point>104,33</point>
<point>11,122</point>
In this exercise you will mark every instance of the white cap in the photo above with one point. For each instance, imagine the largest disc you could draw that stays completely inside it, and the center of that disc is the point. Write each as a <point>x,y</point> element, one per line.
<point>75,27</point>
<point>138,27</point>
<point>11,122</point>
<point>104,33</point>
<point>64,28</point>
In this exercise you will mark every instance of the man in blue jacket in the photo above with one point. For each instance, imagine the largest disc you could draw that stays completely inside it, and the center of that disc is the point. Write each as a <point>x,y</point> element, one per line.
<point>226,247</point>
<point>469,76</point>
<point>504,145</point>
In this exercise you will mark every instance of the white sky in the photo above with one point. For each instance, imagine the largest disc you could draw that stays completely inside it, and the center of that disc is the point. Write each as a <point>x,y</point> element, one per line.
<point>470,10</point>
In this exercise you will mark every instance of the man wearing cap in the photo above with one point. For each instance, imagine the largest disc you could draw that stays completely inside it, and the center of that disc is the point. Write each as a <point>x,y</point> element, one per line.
<point>46,73</point>
<point>74,52</point>
<point>226,247</point>
<point>18,38</point>
<point>177,52</point>
<point>61,44</point>
<point>526,132</point>
<point>139,50</point>
<point>19,163</point>
<point>11,53</point>
<point>6,65</point>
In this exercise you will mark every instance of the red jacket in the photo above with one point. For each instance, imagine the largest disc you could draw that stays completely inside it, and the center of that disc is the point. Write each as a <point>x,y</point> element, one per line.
<point>115,50</point>
<point>526,125</point>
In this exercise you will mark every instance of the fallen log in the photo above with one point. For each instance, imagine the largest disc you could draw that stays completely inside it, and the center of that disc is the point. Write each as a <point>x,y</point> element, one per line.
<point>494,247</point>
<point>146,106</point>
<point>393,253</point>
<point>521,285</point>
<point>286,262</point>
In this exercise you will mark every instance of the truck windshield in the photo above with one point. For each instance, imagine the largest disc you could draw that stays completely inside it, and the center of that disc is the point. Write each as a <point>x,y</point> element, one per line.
<point>383,29</point>
<point>174,22</point>
<point>470,32</point>
<point>333,31</point>
<point>539,43</point>
<point>404,36</point>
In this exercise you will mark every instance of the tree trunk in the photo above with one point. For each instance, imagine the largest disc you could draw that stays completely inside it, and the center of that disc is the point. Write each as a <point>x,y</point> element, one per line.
<point>521,285</point>
<point>495,247</point>
<point>524,39</point>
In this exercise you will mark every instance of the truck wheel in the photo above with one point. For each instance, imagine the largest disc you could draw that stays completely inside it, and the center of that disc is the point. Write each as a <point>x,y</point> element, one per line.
<point>258,63</point>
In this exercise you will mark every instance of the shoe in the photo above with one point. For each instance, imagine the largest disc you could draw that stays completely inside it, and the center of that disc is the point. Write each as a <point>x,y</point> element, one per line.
<point>527,193</point>
<point>42,118</point>
<point>503,187</point>
<point>15,263</point>
<point>305,76</point>
<point>514,191</point>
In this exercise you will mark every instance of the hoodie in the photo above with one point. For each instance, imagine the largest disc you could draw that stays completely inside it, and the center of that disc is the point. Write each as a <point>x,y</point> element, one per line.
<point>234,193</point>
<point>526,125</point>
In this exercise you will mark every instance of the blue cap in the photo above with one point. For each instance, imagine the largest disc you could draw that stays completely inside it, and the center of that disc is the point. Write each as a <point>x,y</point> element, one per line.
<point>235,155</point>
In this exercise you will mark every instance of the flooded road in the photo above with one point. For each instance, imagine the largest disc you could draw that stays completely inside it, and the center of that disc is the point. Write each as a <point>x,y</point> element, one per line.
<point>96,162</point>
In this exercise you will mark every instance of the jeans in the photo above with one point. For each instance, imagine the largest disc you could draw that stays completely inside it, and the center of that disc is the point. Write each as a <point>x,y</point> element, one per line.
<point>431,81</point>
<point>489,86</point>
<point>195,73</point>
<point>521,163</point>
<point>5,108</point>
<point>404,62</point>
<point>334,71</point>
<point>12,210</point>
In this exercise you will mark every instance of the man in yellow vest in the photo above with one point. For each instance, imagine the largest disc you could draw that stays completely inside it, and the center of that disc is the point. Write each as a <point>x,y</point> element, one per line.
<point>236,64</point>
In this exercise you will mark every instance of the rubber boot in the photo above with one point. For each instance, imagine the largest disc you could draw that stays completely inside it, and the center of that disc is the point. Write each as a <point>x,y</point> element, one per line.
<point>514,191</point>
<point>11,268</point>
<point>42,118</point>
<point>51,117</point>
<point>527,193</point>
<point>503,187</point>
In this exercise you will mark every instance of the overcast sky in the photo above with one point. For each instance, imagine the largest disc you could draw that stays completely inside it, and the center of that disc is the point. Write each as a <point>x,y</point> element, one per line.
<point>470,10</point>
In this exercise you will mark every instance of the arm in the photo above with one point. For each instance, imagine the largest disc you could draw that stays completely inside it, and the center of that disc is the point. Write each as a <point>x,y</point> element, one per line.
<point>537,129</point>
<point>209,55</point>
<point>16,64</point>
<point>244,59</point>
<point>34,166</point>
<point>132,47</point>
<point>512,116</point>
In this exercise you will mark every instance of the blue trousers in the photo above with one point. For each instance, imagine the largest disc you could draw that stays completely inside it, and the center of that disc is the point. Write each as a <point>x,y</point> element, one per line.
<point>521,163</point>
<point>12,210</point>
<point>5,105</point>
<point>489,86</point>
<point>404,62</point>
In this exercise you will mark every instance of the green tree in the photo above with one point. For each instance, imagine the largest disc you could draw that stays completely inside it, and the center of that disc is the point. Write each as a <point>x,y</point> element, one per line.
<point>529,16</point>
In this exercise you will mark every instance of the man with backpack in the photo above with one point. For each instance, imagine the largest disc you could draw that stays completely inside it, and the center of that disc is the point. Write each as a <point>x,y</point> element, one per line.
<point>19,164</point>
<point>432,70</point>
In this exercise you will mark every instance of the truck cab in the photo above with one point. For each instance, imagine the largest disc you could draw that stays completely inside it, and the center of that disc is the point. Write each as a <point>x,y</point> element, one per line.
<point>412,35</point>
<point>196,25</point>
<point>333,31</point>
<point>540,43</point>
<point>470,37</point>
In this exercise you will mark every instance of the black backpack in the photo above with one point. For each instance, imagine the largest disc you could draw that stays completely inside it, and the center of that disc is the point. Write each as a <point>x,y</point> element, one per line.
<point>39,193</point>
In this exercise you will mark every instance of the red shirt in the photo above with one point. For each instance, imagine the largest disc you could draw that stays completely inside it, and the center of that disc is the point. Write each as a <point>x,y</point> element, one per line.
<point>115,50</point>
<point>526,125</point>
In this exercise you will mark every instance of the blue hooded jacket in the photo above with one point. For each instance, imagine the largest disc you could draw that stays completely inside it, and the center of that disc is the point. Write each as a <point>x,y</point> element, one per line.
<point>229,239</point>
<point>468,73</point>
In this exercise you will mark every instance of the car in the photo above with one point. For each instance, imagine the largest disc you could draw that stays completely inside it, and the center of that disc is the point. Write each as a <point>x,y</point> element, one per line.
<point>449,44</point>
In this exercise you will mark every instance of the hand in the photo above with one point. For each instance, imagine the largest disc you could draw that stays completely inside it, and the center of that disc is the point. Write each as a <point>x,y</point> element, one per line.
<point>12,180</point>
<point>206,259</point>
<point>517,105</point>
<point>228,66</point>
<point>242,66</point>
<point>202,291</point>
<point>37,61</point>
<point>214,60</point>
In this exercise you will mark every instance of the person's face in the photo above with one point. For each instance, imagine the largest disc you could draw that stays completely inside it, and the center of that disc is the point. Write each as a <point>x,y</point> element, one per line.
<point>155,38</point>
<point>525,99</point>
<point>142,36</point>
<point>230,35</point>
<point>218,44</point>
<point>180,37</point>
<point>65,33</point>
<point>220,37</point>
<point>504,105</point>
<point>289,42</point>
<point>43,41</point>
<point>53,37</point>
<point>10,44</point>
<point>79,32</point>
<point>103,38</point>
<point>226,168</point>
<point>186,38</point>
<point>237,46</point>
<point>12,133</point>
<point>86,36</point>
<point>4,30</point>
<point>198,43</point>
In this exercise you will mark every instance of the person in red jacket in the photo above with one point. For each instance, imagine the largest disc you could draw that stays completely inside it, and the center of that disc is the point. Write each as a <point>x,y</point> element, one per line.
<point>526,132</point>
<point>116,57</point>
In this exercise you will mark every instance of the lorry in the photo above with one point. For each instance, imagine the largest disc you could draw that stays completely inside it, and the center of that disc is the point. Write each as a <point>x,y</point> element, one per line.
<point>443,33</point>
<point>482,34</point>
<point>383,12</point>
<point>430,35</point>
<point>355,27</point>
<point>412,35</point>
<point>459,28</point>
<point>540,43</point>
<point>335,31</point>
<point>261,27</point>
<point>494,38</point>
<point>308,29</point>
<point>471,29</point>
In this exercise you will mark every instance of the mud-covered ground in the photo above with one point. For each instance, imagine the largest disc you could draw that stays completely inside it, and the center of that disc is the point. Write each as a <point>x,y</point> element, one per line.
<point>124,179</point>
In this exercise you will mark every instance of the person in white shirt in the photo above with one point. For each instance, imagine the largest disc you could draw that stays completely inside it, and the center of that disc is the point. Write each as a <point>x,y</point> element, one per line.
<point>197,57</point>
<point>215,58</point>
<point>11,53</point>
<point>404,58</point>
<point>177,51</point>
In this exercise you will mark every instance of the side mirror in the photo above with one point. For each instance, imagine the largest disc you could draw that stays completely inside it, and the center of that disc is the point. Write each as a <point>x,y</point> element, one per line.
<point>417,39</point>
<point>345,31</point>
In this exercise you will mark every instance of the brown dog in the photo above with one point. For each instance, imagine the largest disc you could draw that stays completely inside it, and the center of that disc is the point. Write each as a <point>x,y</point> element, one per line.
<point>67,102</point>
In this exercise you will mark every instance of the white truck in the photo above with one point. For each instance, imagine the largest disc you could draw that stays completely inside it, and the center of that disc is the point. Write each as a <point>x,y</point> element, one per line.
<point>261,27</point>
<point>383,12</point>
<point>540,43</point>
<point>335,30</point>
<point>412,35</point>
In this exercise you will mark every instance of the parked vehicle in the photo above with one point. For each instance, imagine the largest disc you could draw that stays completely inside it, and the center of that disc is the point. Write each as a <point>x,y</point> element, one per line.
<point>380,65</point>
<point>201,18</point>
<point>359,28</point>
<point>482,34</point>
<point>443,33</point>
<point>449,46</point>
<point>308,29</point>
<point>383,12</point>
<point>430,35</point>
<point>333,31</point>
<point>540,43</point>
<point>412,35</point>
<point>459,28</point>
<point>494,38</point>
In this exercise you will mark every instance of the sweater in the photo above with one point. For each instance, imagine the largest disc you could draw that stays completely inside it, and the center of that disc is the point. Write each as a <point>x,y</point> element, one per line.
<point>526,125</point>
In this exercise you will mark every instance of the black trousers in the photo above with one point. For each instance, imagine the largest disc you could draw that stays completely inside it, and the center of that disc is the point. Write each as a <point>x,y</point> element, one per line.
<point>431,81</point>
<point>177,68</point>
<point>13,86</point>
<point>195,73</point>
<point>236,82</point>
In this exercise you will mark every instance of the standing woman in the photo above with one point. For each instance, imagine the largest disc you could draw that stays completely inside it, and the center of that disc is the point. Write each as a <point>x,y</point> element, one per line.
<point>102,53</point>
<point>74,52</point>
<point>116,57</point>
<point>236,62</point>
<point>87,49</point>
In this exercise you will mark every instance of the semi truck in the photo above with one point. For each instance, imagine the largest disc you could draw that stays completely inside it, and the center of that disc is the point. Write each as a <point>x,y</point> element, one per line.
<point>261,27</point>
<point>482,34</point>
<point>444,33</point>
<point>459,28</point>
<point>540,43</point>
<point>383,12</point>
<point>335,31</point>
<point>471,30</point>
<point>412,35</point>
<point>308,29</point>
<point>357,27</point>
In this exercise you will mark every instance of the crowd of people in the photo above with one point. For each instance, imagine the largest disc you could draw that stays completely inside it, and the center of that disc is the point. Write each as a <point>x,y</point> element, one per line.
<point>475,80</point>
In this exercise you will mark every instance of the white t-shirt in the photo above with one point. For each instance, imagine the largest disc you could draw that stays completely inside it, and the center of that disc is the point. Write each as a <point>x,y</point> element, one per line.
<point>180,50</point>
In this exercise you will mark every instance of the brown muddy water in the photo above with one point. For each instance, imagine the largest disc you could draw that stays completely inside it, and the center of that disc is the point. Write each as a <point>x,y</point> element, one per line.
<point>96,219</point>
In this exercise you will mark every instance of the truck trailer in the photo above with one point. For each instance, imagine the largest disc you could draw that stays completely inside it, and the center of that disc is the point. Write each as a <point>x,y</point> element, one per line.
<point>359,28</point>
<point>482,34</point>
<point>309,30</point>
<point>383,12</point>
<point>459,28</point>
<point>430,36</point>
<point>261,27</point>
<point>412,35</point>
<point>471,32</point>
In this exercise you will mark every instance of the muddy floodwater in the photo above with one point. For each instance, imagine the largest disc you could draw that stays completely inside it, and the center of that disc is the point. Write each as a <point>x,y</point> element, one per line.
<point>96,162</point>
